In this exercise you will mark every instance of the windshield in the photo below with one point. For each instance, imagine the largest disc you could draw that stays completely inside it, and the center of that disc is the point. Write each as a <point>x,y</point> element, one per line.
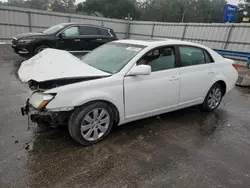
<point>54,29</point>
<point>112,57</point>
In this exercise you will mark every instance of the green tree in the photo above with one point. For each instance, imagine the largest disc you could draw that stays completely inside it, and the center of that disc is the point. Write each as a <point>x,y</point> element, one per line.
<point>243,10</point>
<point>110,8</point>
<point>182,10</point>
<point>160,10</point>
<point>56,5</point>
<point>206,11</point>
<point>17,3</point>
<point>150,10</point>
<point>36,4</point>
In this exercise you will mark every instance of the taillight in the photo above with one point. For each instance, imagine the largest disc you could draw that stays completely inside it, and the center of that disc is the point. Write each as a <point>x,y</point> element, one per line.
<point>235,66</point>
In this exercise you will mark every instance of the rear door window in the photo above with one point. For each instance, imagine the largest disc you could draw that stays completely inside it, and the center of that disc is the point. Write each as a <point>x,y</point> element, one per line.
<point>208,57</point>
<point>86,30</point>
<point>105,32</point>
<point>191,56</point>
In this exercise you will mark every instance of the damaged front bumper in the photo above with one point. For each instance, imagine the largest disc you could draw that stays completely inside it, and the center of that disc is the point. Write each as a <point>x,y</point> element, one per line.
<point>54,118</point>
<point>25,109</point>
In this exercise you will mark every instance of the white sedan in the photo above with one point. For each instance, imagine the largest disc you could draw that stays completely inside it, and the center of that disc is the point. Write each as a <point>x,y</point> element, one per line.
<point>123,81</point>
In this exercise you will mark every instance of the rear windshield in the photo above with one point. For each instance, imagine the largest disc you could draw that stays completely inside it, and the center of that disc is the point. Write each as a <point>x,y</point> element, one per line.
<point>112,57</point>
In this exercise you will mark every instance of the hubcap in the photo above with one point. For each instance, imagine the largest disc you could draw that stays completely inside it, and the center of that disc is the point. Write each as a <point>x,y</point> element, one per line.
<point>214,98</point>
<point>95,124</point>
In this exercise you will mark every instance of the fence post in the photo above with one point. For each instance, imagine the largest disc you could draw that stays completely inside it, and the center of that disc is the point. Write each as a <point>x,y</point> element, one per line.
<point>228,36</point>
<point>184,32</point>
<point>128,29</point>
<point>153,29</point>
<point>29,16</point>
<point>69,18</point>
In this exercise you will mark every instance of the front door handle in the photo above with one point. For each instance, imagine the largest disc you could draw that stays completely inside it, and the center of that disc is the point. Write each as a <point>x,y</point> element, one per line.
<point>77,40</point>
<point>211,71</point>
<point>99,39</point>
<point>173,78</point>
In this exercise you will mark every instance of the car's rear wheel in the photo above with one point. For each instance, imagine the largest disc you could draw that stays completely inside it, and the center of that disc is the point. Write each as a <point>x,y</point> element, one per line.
<point>213,98</point>
<point>40,48</point>
<point>91,124</point>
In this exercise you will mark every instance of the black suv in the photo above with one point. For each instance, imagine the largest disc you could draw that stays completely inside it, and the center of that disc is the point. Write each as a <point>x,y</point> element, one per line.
<point>66,36</point>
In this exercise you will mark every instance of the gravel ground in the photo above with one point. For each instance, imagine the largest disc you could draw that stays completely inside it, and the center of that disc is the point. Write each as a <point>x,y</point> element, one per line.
<point>186,148</point>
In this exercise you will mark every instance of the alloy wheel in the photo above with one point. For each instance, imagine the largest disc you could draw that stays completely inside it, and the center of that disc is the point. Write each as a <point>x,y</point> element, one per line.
<point>214,97</point>
<point>95,124</point>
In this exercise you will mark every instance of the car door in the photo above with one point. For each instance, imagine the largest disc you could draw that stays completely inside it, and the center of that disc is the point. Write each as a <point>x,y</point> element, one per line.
<point>70,39</point>
<point>90,38</point>
<point>94,37</point>
<point>197,73</point>
<point>87,34</point>
<point>106,36</point>
<point>147,95</point>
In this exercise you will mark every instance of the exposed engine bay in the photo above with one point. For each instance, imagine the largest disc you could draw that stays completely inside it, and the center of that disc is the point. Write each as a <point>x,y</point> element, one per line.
<point>50,84</point>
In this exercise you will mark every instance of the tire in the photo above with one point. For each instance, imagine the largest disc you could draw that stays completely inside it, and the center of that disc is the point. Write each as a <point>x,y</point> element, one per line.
<point>83,126</point>
<point>213,98</point>
<point>40,48</point>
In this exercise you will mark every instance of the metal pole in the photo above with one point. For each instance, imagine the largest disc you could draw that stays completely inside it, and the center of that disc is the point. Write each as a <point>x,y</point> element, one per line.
<point>229,18</point>
<point>228,36</point>
<point>128,28</point>
<point>153,29</point>
<point>209,16</point>
<point>184,12</point>
<point>29,16</point>
<point>184,32</point>
<point>248,63</point>
<point>68,6</point>
<point>183,16</point>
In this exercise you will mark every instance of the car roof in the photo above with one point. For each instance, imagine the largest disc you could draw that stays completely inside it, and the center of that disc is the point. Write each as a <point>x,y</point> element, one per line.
<point>67,24</point>
<point>155,42</point>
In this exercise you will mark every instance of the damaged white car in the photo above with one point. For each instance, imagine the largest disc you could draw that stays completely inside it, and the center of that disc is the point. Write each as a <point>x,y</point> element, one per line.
<point>123,81</point>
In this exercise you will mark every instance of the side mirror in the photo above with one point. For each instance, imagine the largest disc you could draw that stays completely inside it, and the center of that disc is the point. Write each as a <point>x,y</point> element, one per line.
<point>62,35</point>
<point>140,70</point>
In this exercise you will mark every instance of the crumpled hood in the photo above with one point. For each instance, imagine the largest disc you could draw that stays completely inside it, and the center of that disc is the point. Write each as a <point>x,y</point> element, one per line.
<point>51,64</point>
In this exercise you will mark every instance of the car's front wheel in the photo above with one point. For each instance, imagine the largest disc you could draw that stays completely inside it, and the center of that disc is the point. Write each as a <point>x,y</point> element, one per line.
<point>40,48</point>
<point>213,98</point>
<point>91,123</point>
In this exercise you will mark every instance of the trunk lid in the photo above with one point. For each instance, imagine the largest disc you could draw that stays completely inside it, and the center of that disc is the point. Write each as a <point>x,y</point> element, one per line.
<point>51,64</point>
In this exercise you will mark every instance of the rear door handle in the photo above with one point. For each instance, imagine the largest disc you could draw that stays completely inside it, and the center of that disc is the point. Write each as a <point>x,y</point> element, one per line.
<point>99,39</point>
<point>173,78</point>
<point>77,40</point>
<point>211,71</point>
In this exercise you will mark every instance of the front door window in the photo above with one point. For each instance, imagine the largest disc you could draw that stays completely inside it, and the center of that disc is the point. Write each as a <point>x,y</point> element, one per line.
<point>72,31</point>
<point>160,59</point>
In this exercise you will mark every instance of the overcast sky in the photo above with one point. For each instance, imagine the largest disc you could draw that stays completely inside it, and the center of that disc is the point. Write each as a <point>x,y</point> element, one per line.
<point>233,1</point>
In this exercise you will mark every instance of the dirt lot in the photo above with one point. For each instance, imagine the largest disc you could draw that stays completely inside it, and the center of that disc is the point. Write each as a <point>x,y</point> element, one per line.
<point>182,149</point>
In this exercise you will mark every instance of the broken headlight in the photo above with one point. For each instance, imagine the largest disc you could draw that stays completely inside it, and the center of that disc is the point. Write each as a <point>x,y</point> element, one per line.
<point>39,100</point>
